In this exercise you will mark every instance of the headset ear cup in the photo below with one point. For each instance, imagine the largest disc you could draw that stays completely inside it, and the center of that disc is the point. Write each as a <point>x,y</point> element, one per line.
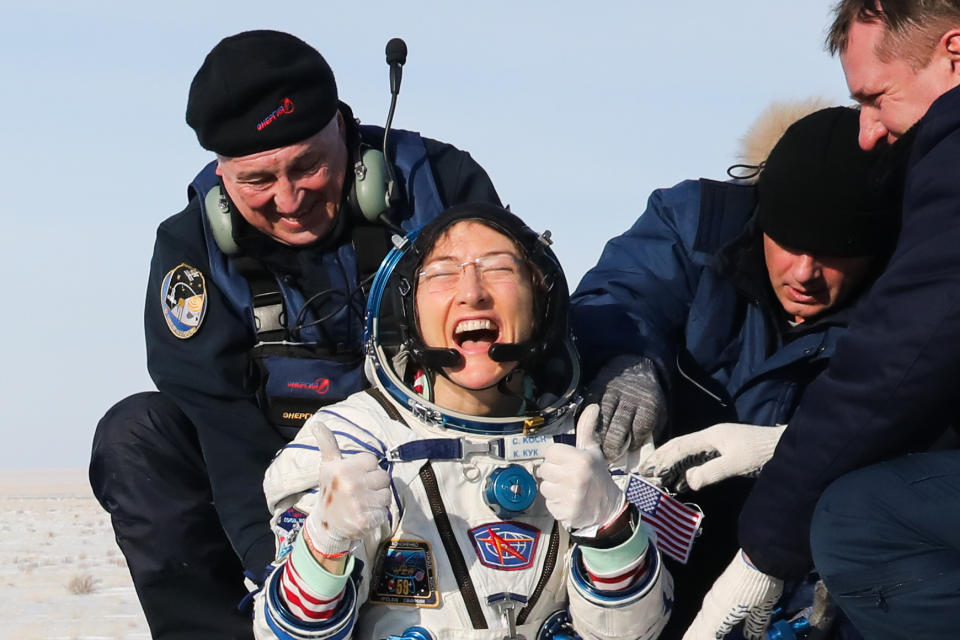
<point>369,192</point>
<point>221,224</point>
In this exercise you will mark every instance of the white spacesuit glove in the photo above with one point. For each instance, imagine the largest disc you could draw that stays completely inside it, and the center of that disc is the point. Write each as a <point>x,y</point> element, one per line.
<point>742,592</point>
<point>576,482</point>
<point>352,498</point>
<point>716,453</point>
<point>632,404</point>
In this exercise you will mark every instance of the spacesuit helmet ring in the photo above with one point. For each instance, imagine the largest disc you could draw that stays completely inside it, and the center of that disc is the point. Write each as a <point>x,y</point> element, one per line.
<point>404,365</point>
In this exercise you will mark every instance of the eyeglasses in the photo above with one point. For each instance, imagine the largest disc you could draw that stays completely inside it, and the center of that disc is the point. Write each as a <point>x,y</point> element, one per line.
<point>495,268</point>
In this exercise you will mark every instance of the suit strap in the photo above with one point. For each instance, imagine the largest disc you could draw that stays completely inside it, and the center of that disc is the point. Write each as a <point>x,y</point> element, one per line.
<point>454,555</point>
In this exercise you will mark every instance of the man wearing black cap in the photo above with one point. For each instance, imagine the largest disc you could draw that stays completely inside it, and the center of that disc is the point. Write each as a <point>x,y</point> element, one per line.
<point>254,317</point>
<point>885,537</point>
<point>732,296</point>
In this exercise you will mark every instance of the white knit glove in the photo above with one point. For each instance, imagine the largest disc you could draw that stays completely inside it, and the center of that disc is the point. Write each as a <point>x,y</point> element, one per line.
<point>576,481</point>
<point>632,405</point>
<point>742,592</point>
<point>716,453</point>
<point>352,498</point>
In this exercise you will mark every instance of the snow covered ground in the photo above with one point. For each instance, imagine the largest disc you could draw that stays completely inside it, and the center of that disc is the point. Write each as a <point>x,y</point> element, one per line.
<point>61,573</point>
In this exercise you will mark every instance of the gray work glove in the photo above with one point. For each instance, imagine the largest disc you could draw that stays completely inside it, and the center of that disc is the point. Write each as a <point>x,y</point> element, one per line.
<point>632,405</point>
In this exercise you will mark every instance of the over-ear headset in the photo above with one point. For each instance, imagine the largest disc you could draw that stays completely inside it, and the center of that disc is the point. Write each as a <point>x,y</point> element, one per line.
<point>374,189</point>
<point>217,207</point>
<point>368,196</point>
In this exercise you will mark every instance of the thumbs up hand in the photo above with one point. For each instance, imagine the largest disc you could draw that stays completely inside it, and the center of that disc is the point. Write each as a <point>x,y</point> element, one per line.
<point>576,482</point>
<point>352,498</point>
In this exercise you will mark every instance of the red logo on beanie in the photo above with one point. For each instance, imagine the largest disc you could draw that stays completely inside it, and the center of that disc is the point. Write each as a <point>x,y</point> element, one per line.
<point>285,107</point>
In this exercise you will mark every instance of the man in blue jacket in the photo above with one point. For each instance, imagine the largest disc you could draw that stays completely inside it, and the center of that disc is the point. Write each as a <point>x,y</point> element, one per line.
<point>723,302</point>
<point>253,317</point>
<point>886,538</point>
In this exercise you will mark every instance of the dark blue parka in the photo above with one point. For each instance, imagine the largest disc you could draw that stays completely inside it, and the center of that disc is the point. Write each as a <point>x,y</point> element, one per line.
<point>686,287</point>
<point>892,386</point>
<point>210,375</point>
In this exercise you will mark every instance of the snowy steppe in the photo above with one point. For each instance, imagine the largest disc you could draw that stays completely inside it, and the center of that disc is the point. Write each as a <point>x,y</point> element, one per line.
<point>62,575</point>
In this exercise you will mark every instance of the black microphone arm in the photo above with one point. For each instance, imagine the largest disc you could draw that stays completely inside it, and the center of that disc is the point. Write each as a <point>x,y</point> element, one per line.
<point>396,52</point>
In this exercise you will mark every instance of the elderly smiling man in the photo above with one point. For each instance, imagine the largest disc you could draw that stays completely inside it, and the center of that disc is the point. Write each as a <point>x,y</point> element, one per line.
<point>254,316</point>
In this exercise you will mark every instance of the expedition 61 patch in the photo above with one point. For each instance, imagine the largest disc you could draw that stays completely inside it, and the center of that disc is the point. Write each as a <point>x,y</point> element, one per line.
<point>404,573</point>
<point>184,298</point>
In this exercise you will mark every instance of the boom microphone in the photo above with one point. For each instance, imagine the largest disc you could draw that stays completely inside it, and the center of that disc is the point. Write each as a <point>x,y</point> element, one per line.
<point>396,57</point>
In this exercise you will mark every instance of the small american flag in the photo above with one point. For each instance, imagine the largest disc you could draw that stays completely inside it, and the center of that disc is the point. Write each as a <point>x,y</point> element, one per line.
<point>674,524</point>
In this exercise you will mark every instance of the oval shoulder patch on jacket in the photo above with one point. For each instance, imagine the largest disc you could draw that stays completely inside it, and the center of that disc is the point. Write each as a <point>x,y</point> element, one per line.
<point>183,296</point>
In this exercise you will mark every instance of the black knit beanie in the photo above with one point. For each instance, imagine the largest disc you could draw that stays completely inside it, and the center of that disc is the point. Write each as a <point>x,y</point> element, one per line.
<point>260,90</point>
<point>820,193</point>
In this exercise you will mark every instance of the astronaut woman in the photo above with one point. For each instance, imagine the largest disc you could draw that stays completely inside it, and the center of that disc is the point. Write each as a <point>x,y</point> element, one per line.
<point>455,499</point>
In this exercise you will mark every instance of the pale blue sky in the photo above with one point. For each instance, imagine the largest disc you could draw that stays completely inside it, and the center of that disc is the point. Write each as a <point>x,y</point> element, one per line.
<point>577,110</point>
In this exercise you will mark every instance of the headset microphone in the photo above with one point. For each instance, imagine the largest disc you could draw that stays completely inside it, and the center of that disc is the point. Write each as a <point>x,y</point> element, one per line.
<point>396,57</point>
<point>396,51</point>
<point>375,192</point>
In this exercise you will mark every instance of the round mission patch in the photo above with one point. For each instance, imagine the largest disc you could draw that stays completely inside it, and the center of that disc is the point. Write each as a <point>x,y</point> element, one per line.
<point>183,295</point>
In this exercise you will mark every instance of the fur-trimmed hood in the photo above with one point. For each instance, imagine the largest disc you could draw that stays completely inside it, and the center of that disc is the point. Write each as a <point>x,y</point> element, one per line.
<point>769,127</point>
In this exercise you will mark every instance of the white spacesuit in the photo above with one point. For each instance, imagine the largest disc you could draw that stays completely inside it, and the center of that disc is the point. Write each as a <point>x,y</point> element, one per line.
<point>469,549</point>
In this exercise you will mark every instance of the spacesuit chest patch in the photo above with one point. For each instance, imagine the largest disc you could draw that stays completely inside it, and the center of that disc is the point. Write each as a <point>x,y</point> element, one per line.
<point>405,574</point>
<point>287,527</point>
<point>183,296</point>
<point>505,546</point>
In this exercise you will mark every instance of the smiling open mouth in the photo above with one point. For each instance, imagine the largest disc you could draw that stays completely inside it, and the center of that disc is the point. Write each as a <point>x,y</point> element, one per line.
<point>473,333</point>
